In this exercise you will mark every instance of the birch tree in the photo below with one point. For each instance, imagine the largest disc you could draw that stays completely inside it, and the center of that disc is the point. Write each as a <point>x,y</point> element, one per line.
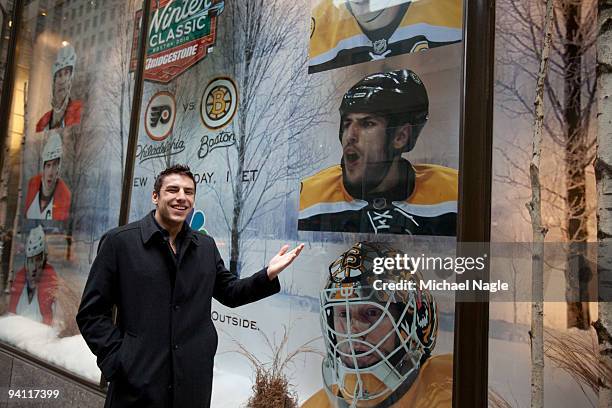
<point>603,172</point>
<point>570,95</point>
<point>538,230</point>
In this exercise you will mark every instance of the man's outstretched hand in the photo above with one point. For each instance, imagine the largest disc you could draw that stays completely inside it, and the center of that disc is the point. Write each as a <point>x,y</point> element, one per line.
<point>282,260</point>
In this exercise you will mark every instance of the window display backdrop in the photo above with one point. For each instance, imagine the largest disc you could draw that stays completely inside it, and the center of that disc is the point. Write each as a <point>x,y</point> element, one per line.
<point>76,55</point>
<point>274,163</point>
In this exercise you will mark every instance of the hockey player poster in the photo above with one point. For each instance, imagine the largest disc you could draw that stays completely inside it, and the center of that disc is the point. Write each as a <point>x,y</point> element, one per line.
<point>392,167</point>
<point>346,32</point>
<point>39,288</point>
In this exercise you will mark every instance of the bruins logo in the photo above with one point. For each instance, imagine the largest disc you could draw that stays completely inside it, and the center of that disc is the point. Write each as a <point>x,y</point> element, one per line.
<point>219,103</point>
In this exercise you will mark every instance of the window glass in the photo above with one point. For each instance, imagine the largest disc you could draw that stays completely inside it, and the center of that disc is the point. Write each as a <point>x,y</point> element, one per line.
<point>72,117</point>
<point>358,160</point>
<point>569,198</point>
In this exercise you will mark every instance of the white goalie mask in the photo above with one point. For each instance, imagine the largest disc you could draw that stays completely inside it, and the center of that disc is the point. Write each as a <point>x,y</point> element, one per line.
<point>36,243</point>
<point>375,340</point>
<point>36,255</point>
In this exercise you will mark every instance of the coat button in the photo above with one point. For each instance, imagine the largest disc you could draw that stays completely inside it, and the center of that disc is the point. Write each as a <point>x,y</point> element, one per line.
<point>175,347</point>
<point>176,308</point>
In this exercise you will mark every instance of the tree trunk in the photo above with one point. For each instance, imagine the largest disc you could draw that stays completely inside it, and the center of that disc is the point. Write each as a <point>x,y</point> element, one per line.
<point>241,146</point>
<point>575,177</point>
<point>121,136</point>
<point>238,198</point>
<point>603,174</point>
<point>538,230</point>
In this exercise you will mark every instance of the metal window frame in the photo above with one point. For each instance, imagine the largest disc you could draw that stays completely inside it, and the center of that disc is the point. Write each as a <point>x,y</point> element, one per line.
<point>471,342</point>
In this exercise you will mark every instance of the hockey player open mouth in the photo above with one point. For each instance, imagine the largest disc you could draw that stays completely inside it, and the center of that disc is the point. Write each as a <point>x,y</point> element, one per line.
<point>351,157</point>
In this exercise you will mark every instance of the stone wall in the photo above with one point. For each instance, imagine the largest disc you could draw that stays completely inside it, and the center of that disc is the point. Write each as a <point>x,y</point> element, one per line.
<point>17,373</point>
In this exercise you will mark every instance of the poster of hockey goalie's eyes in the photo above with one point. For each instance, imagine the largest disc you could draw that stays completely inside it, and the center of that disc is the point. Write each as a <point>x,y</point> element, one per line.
<point>347,32</point>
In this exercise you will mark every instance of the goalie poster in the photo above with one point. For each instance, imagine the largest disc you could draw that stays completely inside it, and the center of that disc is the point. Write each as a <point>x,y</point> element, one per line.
<point>253,125</point>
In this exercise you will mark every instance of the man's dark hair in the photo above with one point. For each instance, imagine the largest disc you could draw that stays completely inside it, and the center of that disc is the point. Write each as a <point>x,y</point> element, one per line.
<point>181,169</point>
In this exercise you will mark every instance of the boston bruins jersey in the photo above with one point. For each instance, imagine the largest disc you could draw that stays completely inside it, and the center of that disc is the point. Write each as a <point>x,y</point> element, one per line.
<point>337,39</point>
<point>431,208</point>
<point>433,388</point>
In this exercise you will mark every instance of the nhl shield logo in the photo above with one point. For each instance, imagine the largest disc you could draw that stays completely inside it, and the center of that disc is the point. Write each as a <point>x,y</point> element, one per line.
<point>379,46</point>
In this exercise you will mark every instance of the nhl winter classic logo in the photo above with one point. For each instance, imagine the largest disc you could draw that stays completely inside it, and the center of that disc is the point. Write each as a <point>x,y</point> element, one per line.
<point>160,115</point>
<point>219,103</point>
<point>181,33</point>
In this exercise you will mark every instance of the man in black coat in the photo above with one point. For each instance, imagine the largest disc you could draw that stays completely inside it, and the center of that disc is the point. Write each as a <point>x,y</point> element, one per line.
<point>162,277</point>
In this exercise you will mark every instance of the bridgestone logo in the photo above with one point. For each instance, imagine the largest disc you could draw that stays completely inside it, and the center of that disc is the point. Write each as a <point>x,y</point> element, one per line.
<point>173,56</point>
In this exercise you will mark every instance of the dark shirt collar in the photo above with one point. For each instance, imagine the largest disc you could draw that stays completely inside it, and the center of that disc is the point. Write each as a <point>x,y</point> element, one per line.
<point>149,227</point>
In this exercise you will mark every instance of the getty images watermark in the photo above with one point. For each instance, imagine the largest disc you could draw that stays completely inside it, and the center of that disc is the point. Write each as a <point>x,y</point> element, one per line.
<point>458,265</point>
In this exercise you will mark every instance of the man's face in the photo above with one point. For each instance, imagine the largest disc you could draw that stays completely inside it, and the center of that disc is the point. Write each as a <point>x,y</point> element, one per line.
<point>374,14</point>
<point>50,176</point>
<point>365,152</point>
<point>175,198</point>
<point>34,268</point>
<point>358,319</point>
<point>61,83</point>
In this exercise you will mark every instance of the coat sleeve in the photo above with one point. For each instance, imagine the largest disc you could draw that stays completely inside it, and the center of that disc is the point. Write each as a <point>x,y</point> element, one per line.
<point>234,292</point>
<point>94,317</point>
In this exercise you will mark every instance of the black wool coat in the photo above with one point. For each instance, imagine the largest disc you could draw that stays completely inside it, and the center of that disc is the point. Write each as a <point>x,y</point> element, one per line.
<point>161,352</point>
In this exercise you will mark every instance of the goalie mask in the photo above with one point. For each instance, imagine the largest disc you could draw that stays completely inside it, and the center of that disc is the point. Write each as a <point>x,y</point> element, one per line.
<point>376,340</point>
<point>36,255</point>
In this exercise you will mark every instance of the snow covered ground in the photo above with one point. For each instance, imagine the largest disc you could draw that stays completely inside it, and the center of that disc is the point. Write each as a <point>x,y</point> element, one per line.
<point>231,390</point>
<point>509,372</point>
<point>41,341</point>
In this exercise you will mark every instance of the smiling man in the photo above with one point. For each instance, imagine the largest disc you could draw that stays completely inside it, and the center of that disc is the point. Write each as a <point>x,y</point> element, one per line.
<point>47,196</point>
<point>162,276</point>
<point>375,189</point>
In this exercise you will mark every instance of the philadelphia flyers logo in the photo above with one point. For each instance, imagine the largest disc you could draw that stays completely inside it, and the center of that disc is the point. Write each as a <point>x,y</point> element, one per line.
<point>160,116</point>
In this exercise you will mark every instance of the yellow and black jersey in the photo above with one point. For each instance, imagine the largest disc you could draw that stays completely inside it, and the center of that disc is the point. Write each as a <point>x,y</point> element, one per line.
<point>431,208</point>
<point>337,39</point>
<point>433,387</point>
